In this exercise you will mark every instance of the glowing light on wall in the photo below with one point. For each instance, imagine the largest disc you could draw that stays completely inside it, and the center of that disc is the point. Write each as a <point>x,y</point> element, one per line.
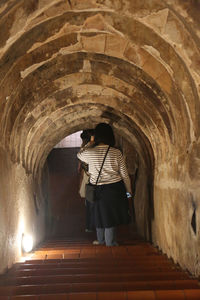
<point>20,231</point>
<point>27,243</point>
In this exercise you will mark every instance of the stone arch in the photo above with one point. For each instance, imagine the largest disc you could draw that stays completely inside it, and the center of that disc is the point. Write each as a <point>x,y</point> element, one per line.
<point>137,86</point>
<point>122,126</point>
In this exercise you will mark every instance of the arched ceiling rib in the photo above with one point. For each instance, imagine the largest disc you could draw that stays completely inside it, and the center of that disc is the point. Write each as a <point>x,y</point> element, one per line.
<point>123,89</point>
<point>87,119</point>
<point>137,57</point>
<point>58,126</point>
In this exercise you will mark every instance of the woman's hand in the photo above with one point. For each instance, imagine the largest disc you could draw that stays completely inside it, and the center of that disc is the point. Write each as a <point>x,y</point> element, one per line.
<point>91,142</point>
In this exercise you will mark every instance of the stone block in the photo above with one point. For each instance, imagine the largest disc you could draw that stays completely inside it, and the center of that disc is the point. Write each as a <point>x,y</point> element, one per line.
<point>153,67</point>
<point>131,54</point>
<point>95,22</point>
<point>144,56</point>
<point>173,30</point>
<point>115,45</point>
<point>157,20</point>
<point>93,43</point>
<point>165,82</point>
<point>83,4</point>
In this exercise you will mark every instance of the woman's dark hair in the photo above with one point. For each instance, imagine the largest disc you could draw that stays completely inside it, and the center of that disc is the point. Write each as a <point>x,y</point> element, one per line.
<point>86,135</point>
<point>103,133</point>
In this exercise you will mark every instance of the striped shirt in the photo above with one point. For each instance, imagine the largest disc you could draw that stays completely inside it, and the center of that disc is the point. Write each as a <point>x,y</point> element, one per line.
<point>114,168</point>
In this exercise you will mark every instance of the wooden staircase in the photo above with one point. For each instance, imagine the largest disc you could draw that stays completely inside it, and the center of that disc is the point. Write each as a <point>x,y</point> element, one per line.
<point>69,270</point>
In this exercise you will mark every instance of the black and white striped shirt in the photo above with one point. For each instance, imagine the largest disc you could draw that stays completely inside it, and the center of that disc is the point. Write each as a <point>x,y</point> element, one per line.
<point>114,168</point>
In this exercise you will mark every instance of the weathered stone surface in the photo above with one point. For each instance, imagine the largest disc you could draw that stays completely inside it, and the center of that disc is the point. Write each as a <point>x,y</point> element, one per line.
<point>157,20</point>
<point>19,213</point>
<point>93,43</point>
<point>115,46</point>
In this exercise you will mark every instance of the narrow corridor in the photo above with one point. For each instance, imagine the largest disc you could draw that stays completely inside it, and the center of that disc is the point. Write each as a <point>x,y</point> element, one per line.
<point>68,267</point>
<point>65,66</point>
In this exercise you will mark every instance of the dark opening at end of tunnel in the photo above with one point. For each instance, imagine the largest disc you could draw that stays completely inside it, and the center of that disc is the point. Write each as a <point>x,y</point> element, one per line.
<point>66,211</point>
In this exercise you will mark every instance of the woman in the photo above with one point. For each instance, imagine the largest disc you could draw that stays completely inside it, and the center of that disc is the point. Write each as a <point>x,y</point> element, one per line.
<point>111,204</point>
<point>84,178</point>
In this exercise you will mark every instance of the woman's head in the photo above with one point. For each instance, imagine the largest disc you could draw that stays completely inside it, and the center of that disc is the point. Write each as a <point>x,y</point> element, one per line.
<point>103,133</point>
<point>86,135</point>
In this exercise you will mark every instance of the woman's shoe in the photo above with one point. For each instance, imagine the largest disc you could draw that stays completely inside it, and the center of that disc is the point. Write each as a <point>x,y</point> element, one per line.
<point>89,230</point>
<point>95,242</point>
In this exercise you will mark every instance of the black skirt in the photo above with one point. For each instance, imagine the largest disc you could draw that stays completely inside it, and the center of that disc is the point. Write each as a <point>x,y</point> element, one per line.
<point>111,205</point>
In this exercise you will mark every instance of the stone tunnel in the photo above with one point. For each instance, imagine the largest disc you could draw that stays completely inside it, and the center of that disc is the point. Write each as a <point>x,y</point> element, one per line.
<point>66,65</point>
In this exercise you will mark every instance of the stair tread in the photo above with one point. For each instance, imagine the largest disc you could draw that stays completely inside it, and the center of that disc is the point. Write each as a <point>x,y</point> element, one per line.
<point>96,287</point>
<point>91,278</point>
<point>82,268</point>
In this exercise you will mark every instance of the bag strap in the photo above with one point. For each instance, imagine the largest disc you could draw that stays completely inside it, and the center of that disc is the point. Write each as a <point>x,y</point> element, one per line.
<point>102,165</point>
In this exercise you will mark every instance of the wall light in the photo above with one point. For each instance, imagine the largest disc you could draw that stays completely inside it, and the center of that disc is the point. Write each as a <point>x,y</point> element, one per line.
<point>27,243</point>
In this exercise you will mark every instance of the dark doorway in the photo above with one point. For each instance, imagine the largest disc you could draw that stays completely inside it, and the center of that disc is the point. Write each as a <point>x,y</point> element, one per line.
<point>67,209</point>
<point>66,206</point>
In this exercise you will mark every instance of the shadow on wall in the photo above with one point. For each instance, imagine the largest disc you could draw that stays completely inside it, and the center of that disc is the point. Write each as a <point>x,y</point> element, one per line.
<point>141,174</point>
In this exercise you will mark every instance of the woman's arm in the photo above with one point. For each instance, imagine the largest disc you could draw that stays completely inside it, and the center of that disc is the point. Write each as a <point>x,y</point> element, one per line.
<point>83,153</point>
<point>124,174</point>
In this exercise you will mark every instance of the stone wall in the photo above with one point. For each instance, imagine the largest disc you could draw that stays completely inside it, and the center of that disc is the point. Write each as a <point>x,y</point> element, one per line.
<point>176,226</point>
<point>22,212</point>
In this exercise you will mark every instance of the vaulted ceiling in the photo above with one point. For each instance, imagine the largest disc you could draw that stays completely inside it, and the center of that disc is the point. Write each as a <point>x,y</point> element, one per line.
<point>67,65</point>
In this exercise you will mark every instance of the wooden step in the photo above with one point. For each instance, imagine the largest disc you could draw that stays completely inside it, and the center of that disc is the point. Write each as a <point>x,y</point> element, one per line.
<point>97,286</point>
<point>97,272</point>
<point>131,295</point>
<point>96,277</point>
